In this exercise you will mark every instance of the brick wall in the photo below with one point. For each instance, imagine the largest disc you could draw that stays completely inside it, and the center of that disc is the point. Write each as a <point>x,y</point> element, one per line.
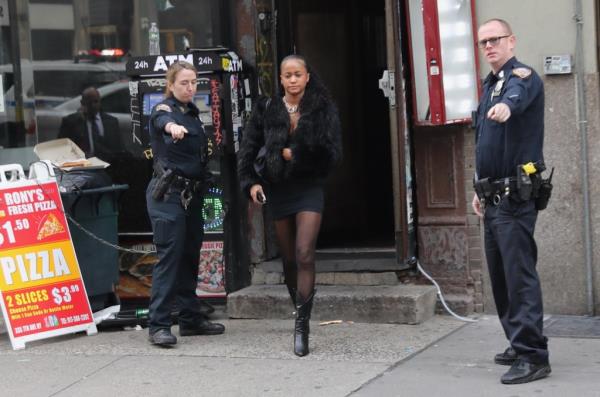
<point>475,256</point>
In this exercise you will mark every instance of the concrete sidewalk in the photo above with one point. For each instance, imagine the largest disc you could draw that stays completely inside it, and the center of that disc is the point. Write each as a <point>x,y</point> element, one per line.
<point>462,365</point>
<point>254,358</point>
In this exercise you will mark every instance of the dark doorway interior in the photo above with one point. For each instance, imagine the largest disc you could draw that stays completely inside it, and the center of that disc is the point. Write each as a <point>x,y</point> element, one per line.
<point>344,41</point>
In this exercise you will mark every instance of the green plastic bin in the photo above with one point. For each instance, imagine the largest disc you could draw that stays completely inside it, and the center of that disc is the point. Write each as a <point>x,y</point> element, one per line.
<point>96,210</point>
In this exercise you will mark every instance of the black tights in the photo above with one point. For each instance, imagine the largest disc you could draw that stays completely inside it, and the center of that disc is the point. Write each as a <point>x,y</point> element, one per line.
<point>297,237</point>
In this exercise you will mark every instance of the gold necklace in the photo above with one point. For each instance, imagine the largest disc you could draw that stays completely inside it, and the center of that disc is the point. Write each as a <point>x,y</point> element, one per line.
<point>291,109</point>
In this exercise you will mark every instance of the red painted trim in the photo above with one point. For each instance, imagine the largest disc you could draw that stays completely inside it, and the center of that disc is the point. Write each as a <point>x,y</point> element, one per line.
<point>433,51</point>
<point>433,56</point>
<point>415,110</point>
<point>476,49</point>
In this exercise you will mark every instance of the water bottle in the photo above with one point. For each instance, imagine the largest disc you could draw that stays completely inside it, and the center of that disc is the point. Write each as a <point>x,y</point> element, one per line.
<point>154,39</point>
<point>135,313</point>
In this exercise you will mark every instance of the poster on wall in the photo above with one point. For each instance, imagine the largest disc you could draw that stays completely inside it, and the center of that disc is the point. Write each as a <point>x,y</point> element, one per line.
<point>41,290</point>
<point>135,271</point>
<point>211,276</point>
<point>135,279</point>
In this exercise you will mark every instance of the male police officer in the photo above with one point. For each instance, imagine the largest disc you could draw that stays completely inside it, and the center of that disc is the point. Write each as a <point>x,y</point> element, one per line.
<point>510,133</point>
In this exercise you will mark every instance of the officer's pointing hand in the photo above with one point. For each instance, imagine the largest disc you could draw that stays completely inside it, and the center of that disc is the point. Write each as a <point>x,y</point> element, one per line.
<point>500,112</point>
<point>177,131</point>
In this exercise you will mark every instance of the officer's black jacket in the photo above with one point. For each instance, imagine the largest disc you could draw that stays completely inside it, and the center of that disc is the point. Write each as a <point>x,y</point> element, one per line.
<point>315,143</point>
<point>188,156</point>
<point>501,147</point>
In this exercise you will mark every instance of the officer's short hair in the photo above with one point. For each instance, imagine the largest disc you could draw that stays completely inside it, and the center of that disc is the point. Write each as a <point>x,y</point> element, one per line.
<point>175,68</point>
<point>502,22</point>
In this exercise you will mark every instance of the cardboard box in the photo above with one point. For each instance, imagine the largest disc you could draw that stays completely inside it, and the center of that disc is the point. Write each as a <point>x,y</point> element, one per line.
<point>59,151</point>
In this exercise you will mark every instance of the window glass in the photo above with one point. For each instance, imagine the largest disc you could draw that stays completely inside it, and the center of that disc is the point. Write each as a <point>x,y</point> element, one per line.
<point>116,101</point>
<point>67,46</point>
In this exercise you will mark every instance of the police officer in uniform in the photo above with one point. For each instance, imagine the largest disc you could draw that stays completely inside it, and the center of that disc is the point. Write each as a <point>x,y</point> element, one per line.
<point>174,200</point>
<point>510,133</point>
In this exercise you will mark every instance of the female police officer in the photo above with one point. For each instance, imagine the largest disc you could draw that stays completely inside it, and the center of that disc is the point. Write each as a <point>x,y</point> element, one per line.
<point>174,200</point>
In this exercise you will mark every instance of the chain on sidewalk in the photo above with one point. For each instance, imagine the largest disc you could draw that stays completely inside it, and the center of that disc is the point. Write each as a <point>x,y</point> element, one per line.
<point>108,243</point>
<point>92,235</point>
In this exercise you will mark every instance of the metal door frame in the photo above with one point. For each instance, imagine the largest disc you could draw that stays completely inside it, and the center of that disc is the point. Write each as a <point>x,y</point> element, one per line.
<point>405,246</point>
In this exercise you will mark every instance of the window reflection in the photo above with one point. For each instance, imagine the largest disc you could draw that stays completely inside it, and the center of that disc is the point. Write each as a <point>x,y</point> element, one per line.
<point>69,45</point>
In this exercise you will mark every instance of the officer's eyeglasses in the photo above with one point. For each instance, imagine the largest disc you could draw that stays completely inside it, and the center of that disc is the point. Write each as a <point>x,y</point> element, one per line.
<point>494,41</point>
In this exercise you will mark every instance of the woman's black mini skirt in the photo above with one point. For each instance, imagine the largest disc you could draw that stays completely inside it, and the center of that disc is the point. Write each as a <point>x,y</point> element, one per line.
<point>292,196</point>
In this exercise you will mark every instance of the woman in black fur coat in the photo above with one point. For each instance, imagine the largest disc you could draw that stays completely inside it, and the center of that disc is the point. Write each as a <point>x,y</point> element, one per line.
<point>300,133</point>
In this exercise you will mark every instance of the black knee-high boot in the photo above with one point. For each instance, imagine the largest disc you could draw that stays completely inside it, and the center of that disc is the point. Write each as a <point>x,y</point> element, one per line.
<point>302,326</point>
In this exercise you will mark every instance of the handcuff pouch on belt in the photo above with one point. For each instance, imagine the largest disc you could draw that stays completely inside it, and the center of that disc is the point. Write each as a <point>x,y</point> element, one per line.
<point>491,192</point>
<point>483,189</point>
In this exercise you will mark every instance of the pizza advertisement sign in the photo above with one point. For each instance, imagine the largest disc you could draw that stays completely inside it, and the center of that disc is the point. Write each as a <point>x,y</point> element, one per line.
<point>41,290</point>
<point>211,270</point>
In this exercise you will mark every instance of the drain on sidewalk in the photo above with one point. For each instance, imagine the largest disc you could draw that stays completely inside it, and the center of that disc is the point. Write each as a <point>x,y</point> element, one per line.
<point>572,327</point>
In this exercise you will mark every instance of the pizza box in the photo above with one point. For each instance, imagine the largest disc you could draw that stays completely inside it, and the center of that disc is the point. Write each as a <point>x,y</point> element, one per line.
<point>63,151</point>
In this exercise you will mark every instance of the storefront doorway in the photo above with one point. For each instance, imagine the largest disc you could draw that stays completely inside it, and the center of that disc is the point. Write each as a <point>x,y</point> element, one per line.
<point>346,43</point>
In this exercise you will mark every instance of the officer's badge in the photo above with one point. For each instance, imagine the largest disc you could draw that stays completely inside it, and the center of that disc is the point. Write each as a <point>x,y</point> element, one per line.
<point>498,88</point>
<point>164,107</point>
<point>522,72</point>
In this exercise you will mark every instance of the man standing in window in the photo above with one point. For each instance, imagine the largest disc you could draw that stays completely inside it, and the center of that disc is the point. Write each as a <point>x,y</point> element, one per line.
<point>95,132</point>
<point>510,134</point>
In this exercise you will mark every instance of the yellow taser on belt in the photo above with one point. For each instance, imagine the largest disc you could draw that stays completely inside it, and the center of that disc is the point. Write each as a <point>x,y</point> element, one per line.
<point>529,168</point>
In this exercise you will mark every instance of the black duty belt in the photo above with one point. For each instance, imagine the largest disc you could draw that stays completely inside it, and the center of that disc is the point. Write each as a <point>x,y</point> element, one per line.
<point>501,185</point>
<point>180,182</point>
<point>492,191</point>
<point>168,183</point>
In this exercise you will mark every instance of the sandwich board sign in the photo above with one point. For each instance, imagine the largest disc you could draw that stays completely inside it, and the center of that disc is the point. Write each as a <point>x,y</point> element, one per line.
<point>41,290</point>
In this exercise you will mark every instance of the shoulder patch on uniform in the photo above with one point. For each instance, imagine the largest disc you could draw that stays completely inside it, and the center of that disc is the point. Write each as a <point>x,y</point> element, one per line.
<point>163,106</point>
<point>522,72</point>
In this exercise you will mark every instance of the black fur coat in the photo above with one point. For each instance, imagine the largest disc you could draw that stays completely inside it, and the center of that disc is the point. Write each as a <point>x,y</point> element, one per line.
<point>315,144</point>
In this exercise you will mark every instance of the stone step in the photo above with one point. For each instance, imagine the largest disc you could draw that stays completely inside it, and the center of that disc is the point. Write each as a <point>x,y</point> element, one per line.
<point>401,304</point>
<point>275,276</point>
<point>342,264</point>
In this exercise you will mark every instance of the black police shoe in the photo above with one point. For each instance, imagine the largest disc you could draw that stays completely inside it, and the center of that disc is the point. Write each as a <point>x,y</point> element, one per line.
<point>507,358</point>
<point>523,372</point>
<point>201,327</point>
<point>162,337</point>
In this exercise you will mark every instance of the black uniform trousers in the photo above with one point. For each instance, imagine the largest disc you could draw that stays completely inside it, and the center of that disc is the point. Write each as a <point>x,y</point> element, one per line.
<point>511,254</point>
<point>178,235</point>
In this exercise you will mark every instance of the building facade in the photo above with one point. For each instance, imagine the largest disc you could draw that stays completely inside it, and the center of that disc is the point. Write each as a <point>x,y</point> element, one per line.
<point>449,238</point>
<point>404,188</point>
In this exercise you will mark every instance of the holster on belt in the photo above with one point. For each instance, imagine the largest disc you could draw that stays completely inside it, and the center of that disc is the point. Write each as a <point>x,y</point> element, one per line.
<point>483,189</point>
<point>534,186</point>
<point>165,178</point>
<point>524,184</point>
<point>543,192</point>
